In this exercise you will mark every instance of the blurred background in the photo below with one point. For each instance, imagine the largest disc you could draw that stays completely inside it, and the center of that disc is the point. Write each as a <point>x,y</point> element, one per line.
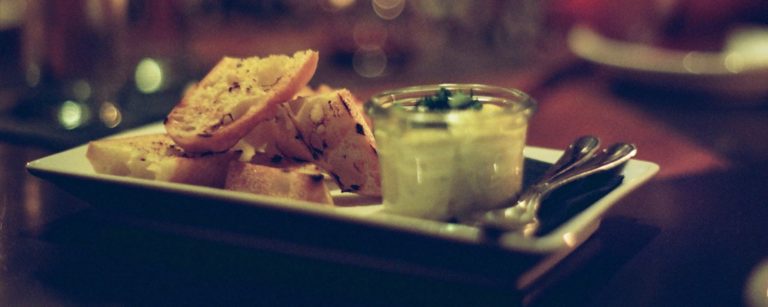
<point>686,80</point>
<point>73,70</point>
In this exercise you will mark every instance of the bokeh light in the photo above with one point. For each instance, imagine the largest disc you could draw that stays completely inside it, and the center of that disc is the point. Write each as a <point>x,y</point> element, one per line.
<point>110,114</point>
<point>73,114</point>
<point>336,5</point>
<point>149,76</point>
<point>369,63</point>
<point>81,90</point>
<point>11,12</point>
<point>388,9</point>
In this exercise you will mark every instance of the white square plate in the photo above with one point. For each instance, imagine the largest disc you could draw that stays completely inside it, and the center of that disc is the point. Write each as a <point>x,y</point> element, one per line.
<point>71,170</point>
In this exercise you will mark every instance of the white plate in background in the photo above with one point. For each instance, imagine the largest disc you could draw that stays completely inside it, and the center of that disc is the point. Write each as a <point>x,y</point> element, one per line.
<point>740,70</point>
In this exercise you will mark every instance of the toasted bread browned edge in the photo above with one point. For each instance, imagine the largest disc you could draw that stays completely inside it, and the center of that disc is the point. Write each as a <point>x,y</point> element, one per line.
<point>228,135</point>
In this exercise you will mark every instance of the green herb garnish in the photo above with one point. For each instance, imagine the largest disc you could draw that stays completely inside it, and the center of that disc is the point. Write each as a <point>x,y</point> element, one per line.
<point>444,100</point>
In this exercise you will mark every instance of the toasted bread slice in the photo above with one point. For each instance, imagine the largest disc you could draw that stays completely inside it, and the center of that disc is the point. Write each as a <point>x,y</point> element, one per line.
<point>275,141</point>
<point>235,96</point>
<point>294,183</point>
<point>156,157</point>
<point>339,139</point>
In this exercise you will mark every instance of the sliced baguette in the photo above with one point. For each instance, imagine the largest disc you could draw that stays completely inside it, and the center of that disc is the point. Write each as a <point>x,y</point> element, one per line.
<point>235,96</point>
<point>156,157</point>
<point>339,138</point>
<point>294,183</point>
<point>275,141</point>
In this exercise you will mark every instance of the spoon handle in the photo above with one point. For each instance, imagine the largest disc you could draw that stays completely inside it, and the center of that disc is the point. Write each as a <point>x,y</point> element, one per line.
<point>606,159</point>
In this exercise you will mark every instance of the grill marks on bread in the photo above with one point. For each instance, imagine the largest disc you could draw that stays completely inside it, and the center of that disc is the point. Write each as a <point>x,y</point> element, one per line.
<point>339,140</point>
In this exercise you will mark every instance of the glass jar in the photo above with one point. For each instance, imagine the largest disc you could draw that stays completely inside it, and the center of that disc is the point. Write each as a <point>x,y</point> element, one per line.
<point>441,164</point>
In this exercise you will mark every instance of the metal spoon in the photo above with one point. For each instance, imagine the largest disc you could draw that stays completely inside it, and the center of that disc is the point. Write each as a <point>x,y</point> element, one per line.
<point>576,154</point>
<point>522,215</point>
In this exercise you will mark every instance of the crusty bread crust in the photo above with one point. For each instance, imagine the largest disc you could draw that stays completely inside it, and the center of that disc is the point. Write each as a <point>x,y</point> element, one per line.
<point>340,141</point>
<point>235,96</point>
<point>299,184</point>
<point>156,157</point>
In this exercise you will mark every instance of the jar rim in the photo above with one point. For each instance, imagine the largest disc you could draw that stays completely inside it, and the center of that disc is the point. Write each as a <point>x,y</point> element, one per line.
<point>380,104</point>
